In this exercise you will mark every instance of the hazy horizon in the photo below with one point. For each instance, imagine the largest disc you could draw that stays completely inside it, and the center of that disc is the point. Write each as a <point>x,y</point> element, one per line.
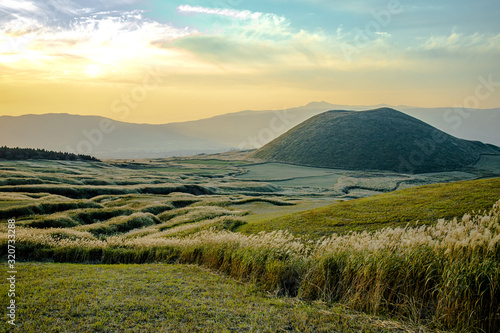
<point>113,117</point>
<point>155,62</point>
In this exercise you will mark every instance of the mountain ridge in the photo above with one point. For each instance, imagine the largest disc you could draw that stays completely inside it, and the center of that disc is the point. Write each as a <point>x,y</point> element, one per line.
<point>99,136</point>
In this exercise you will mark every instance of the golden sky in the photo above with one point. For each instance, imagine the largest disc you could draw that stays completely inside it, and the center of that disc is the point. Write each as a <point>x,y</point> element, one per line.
<point>159,63</point>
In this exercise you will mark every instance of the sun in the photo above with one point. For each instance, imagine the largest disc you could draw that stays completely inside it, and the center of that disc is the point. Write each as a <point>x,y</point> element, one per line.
<point>92,70</point>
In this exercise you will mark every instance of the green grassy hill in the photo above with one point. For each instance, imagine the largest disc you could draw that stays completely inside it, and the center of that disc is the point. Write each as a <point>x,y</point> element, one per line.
<point>425,204</point>
<point>381,139</point>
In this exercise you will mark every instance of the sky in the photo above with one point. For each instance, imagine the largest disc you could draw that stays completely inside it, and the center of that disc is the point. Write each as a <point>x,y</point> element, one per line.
<point>167,61</point>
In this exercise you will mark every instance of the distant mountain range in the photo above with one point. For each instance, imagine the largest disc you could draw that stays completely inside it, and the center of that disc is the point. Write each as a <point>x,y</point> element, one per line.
<point>381,139</point>
<point>100,137</point>
<point>105,138</point>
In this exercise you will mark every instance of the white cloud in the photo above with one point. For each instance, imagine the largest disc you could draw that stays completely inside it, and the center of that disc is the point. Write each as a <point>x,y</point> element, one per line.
<point>17,5</point>
<point>235,14</point>
<point>244,23</point>
<point>111,41</point>
<point>126,28</point>
<point>461,43</point>
<point>383,34</point>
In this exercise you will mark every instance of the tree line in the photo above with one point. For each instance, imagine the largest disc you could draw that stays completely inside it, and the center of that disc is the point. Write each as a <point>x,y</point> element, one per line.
<point>40,154</point>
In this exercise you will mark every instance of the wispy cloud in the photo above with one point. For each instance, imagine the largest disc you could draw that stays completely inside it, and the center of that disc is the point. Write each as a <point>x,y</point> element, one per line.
<point>18,5</point>
<point>235,14</point>
<point>459,43</point>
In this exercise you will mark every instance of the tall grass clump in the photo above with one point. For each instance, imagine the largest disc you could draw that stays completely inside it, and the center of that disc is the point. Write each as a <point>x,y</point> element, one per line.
<point>44,208</point>
<point>70,191</point>
<point>446,275</point>
<point>55,244</point>
<point>20,181</point>
<point>275,202</point>
<point>120,224</point>
<point>89,191</point>
<point>226,222</point>
<point>75,217</point>
<point>59,220</point>
<point>193,214</point>
<point>158,209</point>
<point>89,216</point>
<point>274,261</point>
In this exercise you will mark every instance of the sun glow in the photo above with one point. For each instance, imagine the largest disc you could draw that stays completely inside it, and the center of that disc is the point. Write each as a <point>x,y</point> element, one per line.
<point>92,70</point>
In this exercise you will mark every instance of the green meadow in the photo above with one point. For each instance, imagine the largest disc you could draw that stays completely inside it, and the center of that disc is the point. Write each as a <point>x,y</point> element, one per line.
<point>219,243</point>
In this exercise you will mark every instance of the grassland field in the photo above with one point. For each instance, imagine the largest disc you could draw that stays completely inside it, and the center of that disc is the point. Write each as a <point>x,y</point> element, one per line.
<point>168,298</point>
<point>267,225</point>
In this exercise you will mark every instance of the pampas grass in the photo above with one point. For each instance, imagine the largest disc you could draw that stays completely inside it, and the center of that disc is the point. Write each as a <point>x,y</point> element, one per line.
<point>444,276</point>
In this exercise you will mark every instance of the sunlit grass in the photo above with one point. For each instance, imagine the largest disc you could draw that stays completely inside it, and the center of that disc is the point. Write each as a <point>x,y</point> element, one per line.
<point>166,298</point>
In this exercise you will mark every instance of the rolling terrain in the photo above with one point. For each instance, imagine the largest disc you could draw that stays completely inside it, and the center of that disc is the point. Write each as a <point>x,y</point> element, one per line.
<point>381,139</point>
<point>268,225</point>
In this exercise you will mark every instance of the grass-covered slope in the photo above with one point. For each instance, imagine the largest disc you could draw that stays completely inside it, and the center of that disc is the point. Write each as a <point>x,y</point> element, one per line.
<point>425,204</point>
<point>382,139</point>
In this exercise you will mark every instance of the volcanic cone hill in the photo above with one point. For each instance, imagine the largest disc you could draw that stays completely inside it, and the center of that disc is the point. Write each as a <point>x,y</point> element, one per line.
<point>381,139</point>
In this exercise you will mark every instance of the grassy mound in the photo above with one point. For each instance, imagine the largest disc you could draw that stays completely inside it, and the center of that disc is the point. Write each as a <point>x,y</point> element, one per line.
<point>382,139</point>
<point>120,224</point>
<point>74,218</point>
<point>87,192</point>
